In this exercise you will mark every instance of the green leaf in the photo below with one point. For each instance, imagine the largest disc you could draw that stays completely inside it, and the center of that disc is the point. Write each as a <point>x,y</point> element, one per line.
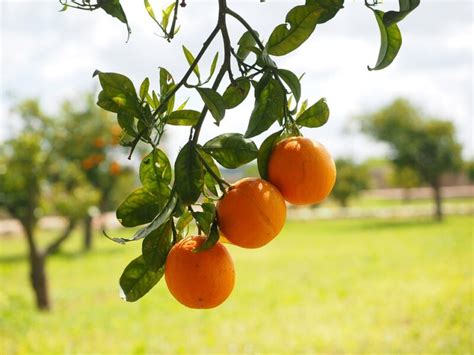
<point>184,221</point>
<point>156,100</point>
<point>303,107</point>
<point>144,87</point>
<point>156,246</point>
<point>190,58</point>
<point>137,279</point>
<point>118,94</point>
<point>166,81</point>
<point>183,105</point>
<point>213,66</point>
<point>140,207</point>
<point>315,116</point>
<point>158,221</point>
<point>292,81</point>
<point>268,108</point>
<point>231,150</point>
<point>214,102</point>
<point>391,41</point>
<point>189,173</point>
<point>150,11</point>
<point>204,220</point>
<point>183,118</point>
<point>406,6</point>
<point>302,21</point>
<point>155,170</point>
<point>127,123</point>
<point>265,151</point>
<point>114,9</point>
<point>209,208</point>
<point>209,181</point>
<point>263,82</point>
<point>245,42</point>
<point>211,240</point>
<point>236,92</point>
<point>166,15</point>
<point>331,7</point>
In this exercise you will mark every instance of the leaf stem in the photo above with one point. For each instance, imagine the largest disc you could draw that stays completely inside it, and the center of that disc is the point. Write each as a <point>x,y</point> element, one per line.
<point>222,27</point>
<point>246,25</point>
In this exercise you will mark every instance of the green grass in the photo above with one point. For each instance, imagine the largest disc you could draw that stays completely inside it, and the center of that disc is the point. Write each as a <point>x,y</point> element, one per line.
<point>373,202</point>
<point>371,286</point>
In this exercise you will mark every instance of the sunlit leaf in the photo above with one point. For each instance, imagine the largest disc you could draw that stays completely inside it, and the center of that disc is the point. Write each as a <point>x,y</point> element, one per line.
<point>155,170</point>
<point>315,116</point>
<point>190,58</point>
<point>183,118</point>
<point>118,93</point>
<point>300,23</point>
<point>166,13</point>
<point>213,65</point>
<point>144,87</point>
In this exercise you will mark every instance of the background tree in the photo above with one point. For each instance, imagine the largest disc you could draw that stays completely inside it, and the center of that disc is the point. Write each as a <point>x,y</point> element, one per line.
<point>426,145</point>
<point>406,178</point>
<point>469,169</point>
<point>89,139</point>
<point>351,180</point>
<point>25,186</point>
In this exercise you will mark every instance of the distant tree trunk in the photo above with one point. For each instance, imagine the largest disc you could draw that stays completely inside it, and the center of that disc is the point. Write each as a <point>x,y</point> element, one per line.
<point>38,277</point>
<point>343,202</point>
<point>438,201</point>
<point>39,281</point>
<point>88,233</point>
<point>406,195</point>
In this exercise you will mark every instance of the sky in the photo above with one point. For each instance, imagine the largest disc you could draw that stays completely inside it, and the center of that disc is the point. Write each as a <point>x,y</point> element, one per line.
<point>52,55</point>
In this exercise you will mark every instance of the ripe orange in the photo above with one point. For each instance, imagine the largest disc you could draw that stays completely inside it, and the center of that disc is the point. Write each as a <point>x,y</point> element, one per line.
<point>302,170</point>
<point>199,279</point>
<point>251,213</point>
<point>99,142</point>
<point>115,168</point>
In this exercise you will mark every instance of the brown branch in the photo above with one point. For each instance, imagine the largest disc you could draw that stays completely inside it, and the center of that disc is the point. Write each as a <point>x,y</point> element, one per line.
<point>54,246</point>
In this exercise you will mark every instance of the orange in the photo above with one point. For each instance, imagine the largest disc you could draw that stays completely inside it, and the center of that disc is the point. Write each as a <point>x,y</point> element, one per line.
<point>302,170</point>
<point>115,168</point>
<point>99,143</point>
<point>251,213</point>
<point>199,279</point>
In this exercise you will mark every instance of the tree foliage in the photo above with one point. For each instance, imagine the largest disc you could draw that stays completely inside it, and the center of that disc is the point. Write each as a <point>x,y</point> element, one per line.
<point>351,180</point>
<point>425,145</point>
<point>144,111</point>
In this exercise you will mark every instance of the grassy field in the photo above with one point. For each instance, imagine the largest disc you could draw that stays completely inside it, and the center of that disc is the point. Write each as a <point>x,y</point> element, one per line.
<point>366,286</point>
